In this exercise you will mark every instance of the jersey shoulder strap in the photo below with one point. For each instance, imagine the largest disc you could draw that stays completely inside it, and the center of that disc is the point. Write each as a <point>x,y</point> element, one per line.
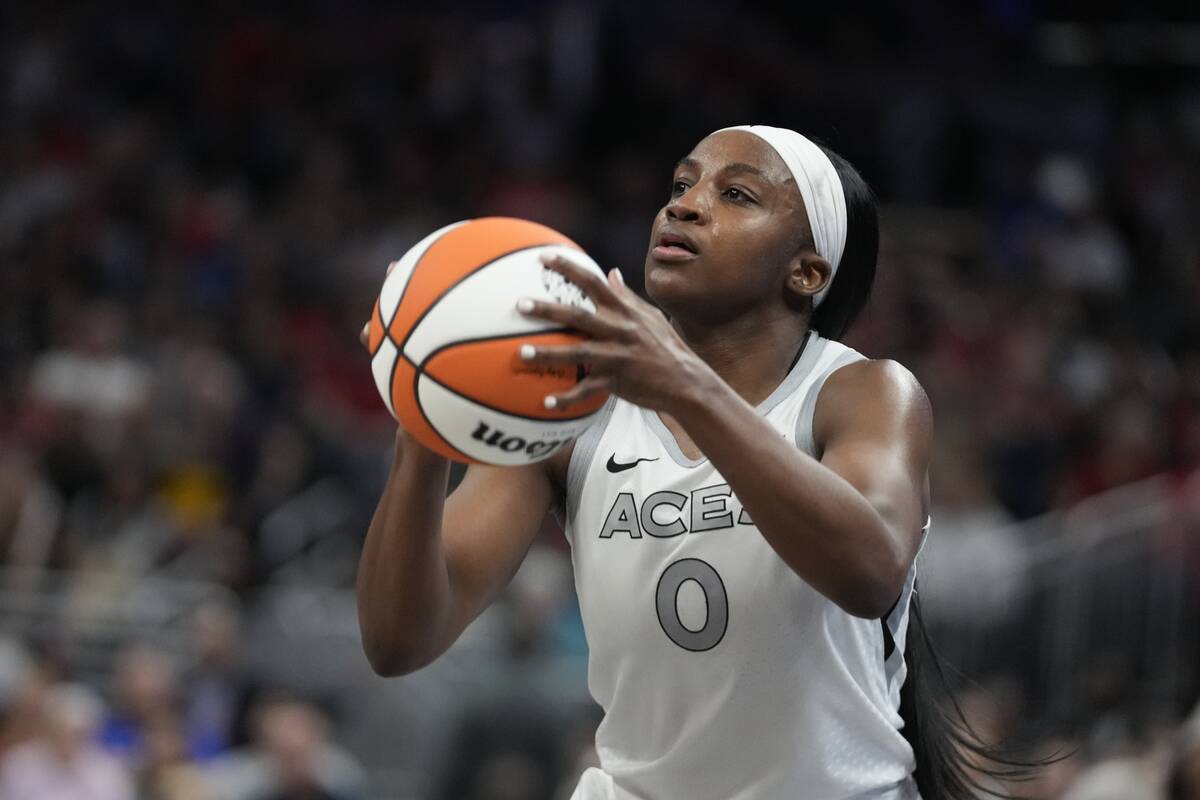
<point>833,356</point>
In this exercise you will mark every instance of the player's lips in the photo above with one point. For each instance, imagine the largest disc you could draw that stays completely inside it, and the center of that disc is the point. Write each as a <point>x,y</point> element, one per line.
<point>672,246</point>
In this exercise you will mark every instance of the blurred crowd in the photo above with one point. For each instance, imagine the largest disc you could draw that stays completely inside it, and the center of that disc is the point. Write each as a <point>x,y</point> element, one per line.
<point>197,205</point>
<point>163,736</point>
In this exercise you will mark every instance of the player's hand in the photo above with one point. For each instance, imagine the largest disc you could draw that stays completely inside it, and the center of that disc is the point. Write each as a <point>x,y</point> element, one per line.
<point>633,351</point>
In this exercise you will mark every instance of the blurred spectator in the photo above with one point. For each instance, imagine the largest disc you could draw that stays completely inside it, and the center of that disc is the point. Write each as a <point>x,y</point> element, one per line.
<point>31,512</point>
<point>1076,248</point>
<point>970,567</point>
<point>146,695</point>
<point>291,758</point>
<point>120,525</point>
<point>62,763</point>
<point>92,380</point>
<point>1118,779</point>
<point>166,772</point>
<point>1184,780</point>
<point>20,694</point>
<point>218,690</point>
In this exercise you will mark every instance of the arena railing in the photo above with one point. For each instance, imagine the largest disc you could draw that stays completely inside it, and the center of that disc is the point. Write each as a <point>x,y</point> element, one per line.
<point>84,619</point>
<point>1106,617</point>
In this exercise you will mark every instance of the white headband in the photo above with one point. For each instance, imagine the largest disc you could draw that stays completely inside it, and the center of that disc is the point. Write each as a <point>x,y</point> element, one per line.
<point>820,188</point>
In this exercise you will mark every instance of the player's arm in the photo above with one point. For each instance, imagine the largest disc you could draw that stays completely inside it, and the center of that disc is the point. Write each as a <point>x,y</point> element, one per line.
<point>848,524</point>
<point>431,564</point>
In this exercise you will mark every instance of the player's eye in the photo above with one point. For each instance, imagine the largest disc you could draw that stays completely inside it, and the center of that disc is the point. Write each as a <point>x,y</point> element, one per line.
<point>678,188</point>
<point>738,195</point>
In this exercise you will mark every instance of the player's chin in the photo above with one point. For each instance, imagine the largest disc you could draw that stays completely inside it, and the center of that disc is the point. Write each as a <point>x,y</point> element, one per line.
<point>656,274</point>
<point>670,287</point>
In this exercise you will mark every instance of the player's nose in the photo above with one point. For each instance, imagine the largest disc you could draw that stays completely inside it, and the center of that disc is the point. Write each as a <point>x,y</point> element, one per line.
<point>686,207</point>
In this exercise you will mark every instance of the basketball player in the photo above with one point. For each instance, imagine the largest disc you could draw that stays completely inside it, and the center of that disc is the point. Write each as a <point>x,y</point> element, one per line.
<point>744,515</point>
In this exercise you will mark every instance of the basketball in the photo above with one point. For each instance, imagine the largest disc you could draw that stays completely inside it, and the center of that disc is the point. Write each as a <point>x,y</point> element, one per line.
<point>444,338</point>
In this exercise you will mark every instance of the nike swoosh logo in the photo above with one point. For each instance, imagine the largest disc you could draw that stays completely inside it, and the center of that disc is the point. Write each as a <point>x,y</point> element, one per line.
<point>613,466</point>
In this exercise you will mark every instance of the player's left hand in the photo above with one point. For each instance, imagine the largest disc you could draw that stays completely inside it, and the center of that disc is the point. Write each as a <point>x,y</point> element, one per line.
<point>633,351</point>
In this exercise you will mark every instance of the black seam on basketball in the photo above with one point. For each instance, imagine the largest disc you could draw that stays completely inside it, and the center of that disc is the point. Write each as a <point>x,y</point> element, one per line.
<point>408,281</point>
<point>390,402</point>
<point>482,404</point>
<point>530,335</point>
<point>428,421</point>
<point>387,324</point>
<point>433,303</point>
<point>387,336</point>
<point>477,339</point>
<point>387,328</point>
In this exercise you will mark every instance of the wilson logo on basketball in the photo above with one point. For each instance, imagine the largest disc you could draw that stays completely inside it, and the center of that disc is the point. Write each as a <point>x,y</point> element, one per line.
<point>512,444</point>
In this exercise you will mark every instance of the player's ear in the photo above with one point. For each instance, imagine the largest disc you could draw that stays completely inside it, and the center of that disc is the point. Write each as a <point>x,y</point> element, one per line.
<point>808,274</point>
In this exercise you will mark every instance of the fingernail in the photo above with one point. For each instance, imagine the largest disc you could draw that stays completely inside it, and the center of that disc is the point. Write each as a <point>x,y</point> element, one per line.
<point>546,258</point>
<point>620,277</point>
<point>551,401</point>
<point>524,305</point>
<point>527,351</point>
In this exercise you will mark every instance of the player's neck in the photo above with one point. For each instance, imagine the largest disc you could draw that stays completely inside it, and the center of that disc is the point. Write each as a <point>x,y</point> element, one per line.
<point>751,354</point>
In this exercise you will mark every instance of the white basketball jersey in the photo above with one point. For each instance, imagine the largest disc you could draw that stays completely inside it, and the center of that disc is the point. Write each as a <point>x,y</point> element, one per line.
<point>722,674</point>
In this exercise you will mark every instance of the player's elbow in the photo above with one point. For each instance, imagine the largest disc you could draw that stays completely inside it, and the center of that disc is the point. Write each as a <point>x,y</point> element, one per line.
<point>875,590</point>
<point>868,603</point>
<point>392,667</point>
<point>393,660</point>
<point>393,650</point>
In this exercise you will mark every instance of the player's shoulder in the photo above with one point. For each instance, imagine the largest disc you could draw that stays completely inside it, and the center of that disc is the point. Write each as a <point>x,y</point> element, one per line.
<point>874,376</point>
<point>873,388</point>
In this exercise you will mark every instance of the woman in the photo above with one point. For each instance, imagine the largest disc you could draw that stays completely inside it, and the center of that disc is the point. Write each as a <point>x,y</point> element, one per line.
<point>744,516</point>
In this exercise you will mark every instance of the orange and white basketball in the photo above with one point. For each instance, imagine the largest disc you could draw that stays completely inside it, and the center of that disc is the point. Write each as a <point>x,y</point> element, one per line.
<point>444,340</point>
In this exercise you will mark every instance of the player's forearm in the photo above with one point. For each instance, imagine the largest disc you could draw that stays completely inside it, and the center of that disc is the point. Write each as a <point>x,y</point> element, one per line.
<point>404,590</point>
<point>818,523</point>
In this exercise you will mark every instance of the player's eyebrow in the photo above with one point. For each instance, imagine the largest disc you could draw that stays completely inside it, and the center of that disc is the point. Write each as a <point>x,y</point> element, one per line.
<point>749,169</point>
<point>736,166</point>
